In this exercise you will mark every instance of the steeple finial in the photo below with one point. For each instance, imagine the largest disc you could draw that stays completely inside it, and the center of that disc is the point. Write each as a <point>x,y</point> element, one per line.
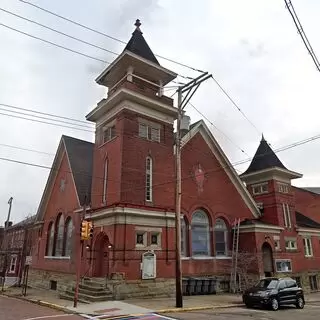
<point>262,138</point>
<point>138,24</point>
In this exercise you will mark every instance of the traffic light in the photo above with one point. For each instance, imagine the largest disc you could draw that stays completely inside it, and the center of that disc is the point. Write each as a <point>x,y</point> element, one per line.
<point>90,227</point>
<point>84,230</point>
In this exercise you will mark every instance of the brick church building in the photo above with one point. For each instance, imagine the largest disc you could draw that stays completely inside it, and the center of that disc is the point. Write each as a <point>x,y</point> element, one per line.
<point>124,183</point>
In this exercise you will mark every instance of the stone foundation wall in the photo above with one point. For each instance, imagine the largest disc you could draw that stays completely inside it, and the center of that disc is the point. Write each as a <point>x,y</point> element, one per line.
<point>45,279</point>
<point>304,278</point>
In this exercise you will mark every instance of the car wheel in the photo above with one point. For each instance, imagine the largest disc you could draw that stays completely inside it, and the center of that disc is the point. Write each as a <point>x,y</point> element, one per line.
<point>300,303</point>
<point>274,304</point>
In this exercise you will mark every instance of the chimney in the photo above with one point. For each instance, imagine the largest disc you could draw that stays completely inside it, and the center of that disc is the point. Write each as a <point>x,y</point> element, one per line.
<point>185,125</point>
<point>7,225</point>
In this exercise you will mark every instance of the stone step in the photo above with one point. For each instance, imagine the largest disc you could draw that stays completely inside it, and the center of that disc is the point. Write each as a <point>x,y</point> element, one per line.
<point>87,286</point>
<point>93,283</point>
<point>69,297</point>
<point>90,298</point>
<point>95,293</point>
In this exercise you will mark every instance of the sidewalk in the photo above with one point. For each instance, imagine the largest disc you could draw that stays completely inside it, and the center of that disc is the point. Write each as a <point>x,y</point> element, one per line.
<point>135,306</point>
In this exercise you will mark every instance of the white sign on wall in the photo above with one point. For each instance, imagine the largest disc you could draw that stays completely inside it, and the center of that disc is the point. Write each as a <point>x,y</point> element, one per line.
<point>148,265</point>
<point>28,261</point>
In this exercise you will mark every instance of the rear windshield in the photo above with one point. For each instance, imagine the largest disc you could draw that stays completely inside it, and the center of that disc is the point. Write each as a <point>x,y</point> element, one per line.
<point>267,284</point>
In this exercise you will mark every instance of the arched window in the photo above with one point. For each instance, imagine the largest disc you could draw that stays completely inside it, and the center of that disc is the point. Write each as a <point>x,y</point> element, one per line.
<point>200,234</point>
<point>221,237</point>
<point>105,181</point>
<point>183,237</point>
<point>68,238</point>
<point>59,236</point>
<point>50,239</point>
<point>148,179</point>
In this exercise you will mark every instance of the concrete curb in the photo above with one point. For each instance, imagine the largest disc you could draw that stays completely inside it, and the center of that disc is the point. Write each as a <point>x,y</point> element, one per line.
<point>188,309</point>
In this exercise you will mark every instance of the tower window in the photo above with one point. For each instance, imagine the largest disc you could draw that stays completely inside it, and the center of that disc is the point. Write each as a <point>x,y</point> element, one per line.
<point>149,132</point>
<point>286,215</point>
<point>109,133</point>
<point>148,179</point>
<point>283,188</point>
<point>260,188</point>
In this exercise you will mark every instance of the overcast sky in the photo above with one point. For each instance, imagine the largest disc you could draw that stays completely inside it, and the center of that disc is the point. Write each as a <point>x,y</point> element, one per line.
<point>251,47</point>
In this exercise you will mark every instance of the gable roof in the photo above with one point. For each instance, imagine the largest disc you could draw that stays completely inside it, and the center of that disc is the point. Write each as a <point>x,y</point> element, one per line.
<point>138,45</point>
<point>306,222</point>
<point>201,127</point>
<point>264,158</point>
<point>80,155</point>
<point>23,223</point>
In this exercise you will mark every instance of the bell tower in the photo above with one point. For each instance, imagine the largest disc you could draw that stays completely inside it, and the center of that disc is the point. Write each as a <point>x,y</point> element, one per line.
<point>133,154</point>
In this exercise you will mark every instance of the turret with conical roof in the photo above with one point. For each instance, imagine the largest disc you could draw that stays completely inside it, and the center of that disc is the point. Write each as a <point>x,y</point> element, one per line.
<point>269,182</point>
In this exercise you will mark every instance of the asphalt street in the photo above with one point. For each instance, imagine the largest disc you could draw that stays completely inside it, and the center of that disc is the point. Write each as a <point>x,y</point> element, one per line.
<point>14,309</point>
<point>310,312</point>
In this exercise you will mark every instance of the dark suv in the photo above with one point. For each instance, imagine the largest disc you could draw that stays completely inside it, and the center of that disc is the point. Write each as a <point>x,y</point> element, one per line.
<point>274,292</point>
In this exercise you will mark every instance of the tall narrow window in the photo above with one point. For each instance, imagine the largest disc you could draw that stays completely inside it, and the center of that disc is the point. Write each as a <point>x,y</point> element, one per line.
<point>200,234</point>
<point>59,236</point>
<point>221,237</point>
<point>307,244</point>
<point>50,240</point>
<point>148,179</point>
<point>13,264</point>
<point>286,215</point>
<point>183,237</point>
<point>105,181</point>
<point>68,238</point>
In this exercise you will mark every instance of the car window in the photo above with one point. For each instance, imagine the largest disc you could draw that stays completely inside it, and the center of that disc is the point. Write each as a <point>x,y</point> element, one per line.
<point>267,284</point>
<point>282,284</point>
<point>291,283</point>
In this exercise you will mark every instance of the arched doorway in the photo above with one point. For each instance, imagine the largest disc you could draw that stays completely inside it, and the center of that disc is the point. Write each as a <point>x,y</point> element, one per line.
<point>101,253</point>
<point>267,259</point>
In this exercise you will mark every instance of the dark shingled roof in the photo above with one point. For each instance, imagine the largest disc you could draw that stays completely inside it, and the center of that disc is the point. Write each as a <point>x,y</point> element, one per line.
<point>80,154</point>
<point>28,221</point>
<point>313,189</point>
<point>264,158</point>
<point>138,45</point>
<point>306,222</point>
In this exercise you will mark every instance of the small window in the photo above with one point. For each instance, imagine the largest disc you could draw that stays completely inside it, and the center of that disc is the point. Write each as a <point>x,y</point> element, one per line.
<point>308,252</point>
<point>313,283</point>
<point>183,237</point>
<point>141,238</point>
<point>291,244</point>
<point>283,266</point>
<point>283,188</point>
<point>260,188</point>
<point>277,245</point>
<point>150,132</point>
<point>13,264</point>
<point>109,133</point>
<point>155,239</point>
<point>286,215</point>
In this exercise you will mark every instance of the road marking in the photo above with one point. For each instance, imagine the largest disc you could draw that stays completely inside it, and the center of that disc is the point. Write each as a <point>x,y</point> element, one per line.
<point>46,317</point>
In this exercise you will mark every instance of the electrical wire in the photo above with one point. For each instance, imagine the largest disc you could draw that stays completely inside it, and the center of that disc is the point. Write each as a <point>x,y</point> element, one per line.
<point>102,33</point>
<point>26,149</point>
<point>54,44</point>
<point>235,105</point>
<point>214,126</point>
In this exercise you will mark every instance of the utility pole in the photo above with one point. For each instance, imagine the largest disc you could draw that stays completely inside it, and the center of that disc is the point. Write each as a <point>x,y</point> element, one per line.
<point>190,88</point>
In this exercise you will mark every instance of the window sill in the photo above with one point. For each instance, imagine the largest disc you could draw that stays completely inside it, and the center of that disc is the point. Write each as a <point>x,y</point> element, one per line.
<point>308,256</point>
<point>202,258</point>
<point>56,258</point>
<point>185,258</point>
<point>101,145</point>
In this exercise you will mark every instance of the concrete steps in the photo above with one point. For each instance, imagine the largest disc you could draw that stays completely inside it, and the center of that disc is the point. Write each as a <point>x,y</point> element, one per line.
<point>89,291</point>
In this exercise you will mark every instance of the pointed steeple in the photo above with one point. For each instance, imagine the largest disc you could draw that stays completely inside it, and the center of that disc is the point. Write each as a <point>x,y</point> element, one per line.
<point>264,158</point>
<point>138,45</point>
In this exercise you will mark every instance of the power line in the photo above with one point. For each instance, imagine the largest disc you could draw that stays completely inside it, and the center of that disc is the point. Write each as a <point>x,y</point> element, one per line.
<point>43,113</point>
<point>213,125</point>
<point>235,105</point>
<point>103,34</point>
<point>59,32</point>
<point>26,149</point>
<point>54,44</point>
<point>303,36</point>
<point>46,118</point>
